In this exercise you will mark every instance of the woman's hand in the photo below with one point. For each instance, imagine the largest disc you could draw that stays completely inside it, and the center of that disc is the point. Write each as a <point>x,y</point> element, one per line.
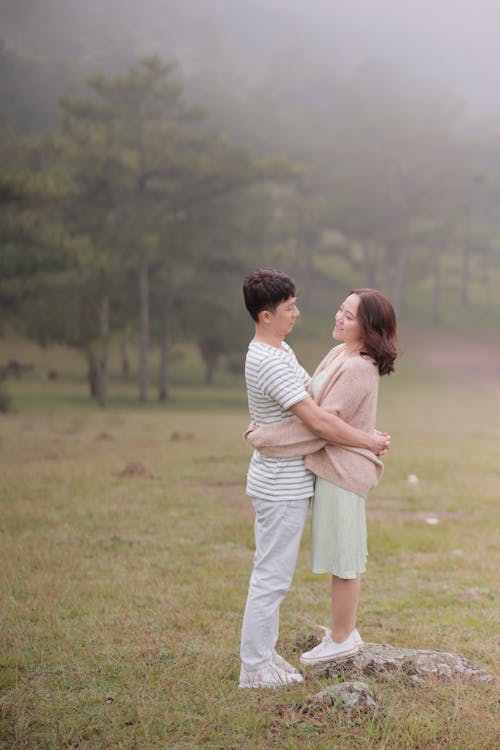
<point>381,442</point>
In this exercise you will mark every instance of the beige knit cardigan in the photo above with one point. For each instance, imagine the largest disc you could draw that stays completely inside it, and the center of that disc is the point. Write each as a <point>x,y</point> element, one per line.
<point>350,391</point>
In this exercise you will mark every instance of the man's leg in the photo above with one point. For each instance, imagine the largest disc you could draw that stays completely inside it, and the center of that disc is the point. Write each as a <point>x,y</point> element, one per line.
<point>278,531</point>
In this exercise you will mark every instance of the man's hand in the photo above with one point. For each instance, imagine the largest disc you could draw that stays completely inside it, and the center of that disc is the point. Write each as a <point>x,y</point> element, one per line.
<point>381,442</point>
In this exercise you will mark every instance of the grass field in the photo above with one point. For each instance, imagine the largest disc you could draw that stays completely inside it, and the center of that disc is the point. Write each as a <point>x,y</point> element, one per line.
<point>126,546</point>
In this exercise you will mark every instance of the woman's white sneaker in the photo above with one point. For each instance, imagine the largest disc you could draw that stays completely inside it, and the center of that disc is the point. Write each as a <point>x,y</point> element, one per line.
<point>329,650</point>
<point>271,676</point>
<point>355,634</point>
<point>357,638</point>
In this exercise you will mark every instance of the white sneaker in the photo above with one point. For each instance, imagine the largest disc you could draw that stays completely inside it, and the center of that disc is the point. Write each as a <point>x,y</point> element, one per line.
<point>329,650</point>
<point>357,638</point>
<point>282,663</point>
<point>271,676</point>
<point>355,634</point>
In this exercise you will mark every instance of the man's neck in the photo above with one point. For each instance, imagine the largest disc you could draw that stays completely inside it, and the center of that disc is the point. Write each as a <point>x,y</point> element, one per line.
<point>264,336</point>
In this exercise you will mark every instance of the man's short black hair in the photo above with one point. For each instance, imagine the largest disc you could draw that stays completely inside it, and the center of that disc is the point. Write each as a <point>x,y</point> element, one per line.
<point>265,289</point>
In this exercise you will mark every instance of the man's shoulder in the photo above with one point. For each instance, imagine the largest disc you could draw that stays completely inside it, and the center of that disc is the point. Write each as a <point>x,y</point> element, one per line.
<point>258,351</point>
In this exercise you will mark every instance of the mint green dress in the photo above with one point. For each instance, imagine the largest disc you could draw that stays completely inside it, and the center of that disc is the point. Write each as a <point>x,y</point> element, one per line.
<point>338,525</point>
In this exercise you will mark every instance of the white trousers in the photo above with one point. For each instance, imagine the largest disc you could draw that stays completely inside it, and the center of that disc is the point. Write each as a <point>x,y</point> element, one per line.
<point>278,530</point>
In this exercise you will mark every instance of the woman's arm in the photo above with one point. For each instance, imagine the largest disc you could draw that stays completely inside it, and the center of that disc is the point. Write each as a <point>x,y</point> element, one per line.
<point>348,398</point>
<point>341,398</point>
<point>289,438</point>
<point>293,437</point>
<point>333,429</point>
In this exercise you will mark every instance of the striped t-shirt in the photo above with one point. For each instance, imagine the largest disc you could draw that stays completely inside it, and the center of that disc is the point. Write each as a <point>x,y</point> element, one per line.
<point>275,382</point>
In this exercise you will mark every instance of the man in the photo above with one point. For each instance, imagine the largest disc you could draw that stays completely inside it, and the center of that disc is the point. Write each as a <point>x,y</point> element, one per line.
<point>279,488</point>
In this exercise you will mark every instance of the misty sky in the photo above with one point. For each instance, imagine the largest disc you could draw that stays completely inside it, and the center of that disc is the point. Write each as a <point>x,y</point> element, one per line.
<point>452,42</point>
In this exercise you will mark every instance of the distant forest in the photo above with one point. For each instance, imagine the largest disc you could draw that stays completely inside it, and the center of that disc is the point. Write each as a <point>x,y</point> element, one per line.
<point>155,152</point>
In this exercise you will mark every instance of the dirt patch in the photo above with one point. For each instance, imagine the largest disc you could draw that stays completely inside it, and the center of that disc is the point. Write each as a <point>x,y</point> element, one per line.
<point>134,469</point>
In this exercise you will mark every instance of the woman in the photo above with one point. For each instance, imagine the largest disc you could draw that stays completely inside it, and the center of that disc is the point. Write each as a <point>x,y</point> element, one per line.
<point>346,383</point>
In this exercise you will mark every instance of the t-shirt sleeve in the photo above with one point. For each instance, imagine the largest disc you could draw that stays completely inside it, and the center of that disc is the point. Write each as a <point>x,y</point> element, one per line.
<point>279,381</point>
<point>307,378</point>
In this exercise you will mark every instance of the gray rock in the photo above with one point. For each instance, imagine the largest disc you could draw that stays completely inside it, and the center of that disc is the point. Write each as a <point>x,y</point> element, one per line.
<point>382,662</point>
<point>351,696</point>
<point>385,662</point>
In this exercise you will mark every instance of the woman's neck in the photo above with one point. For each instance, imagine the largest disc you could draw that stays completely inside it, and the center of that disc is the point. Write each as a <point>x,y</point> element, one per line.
<point>353,350</point>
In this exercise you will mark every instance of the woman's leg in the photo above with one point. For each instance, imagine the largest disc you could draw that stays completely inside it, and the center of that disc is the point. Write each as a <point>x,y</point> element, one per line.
<point>339,643</point>
<point>345,597</point>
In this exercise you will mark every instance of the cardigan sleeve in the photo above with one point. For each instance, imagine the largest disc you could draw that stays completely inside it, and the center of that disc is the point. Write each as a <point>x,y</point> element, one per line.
<point>289,438</point>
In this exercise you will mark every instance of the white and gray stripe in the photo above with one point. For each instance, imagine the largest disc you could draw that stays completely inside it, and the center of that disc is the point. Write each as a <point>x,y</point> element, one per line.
<point>275,382</point>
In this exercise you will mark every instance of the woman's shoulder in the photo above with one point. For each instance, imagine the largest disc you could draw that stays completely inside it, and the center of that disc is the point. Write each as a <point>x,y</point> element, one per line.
<point>336,353</point>
<point>362,364</point>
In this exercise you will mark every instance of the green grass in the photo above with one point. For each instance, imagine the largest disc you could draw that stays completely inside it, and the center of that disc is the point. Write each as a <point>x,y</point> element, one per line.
<point>121,594</point>
<point>34,392</point>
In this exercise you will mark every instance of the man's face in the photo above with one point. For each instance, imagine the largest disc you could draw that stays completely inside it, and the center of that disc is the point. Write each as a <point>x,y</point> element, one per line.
<point>283,319</point>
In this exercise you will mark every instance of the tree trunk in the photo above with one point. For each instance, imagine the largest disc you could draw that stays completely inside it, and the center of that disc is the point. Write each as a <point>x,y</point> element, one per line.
<point>464,292</point>
<point>165,344</point>
<point>400,278</point>
<point>438,288</point>
<point>486,281</point>
<point>307,244</point>
<point>144,329</point>
<point>92,376</point>
<point>102,380</point>
<point>370,254</point>
<point>124,357</point>
<point>211,361</point>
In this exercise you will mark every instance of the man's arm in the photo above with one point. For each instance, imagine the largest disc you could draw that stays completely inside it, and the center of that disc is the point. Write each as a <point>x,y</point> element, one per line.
<point>334,430</point>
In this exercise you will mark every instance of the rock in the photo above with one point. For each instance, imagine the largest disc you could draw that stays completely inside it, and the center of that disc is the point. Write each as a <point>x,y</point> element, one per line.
<point>351,696</point>
<point>388,662</point>
<point>381,662</point>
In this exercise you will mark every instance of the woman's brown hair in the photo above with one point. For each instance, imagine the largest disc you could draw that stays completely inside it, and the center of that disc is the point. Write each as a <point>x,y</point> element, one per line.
<point>378,328</point>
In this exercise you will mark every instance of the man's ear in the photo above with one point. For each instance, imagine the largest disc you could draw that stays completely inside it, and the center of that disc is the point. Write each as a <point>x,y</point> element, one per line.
<point>265,317</point>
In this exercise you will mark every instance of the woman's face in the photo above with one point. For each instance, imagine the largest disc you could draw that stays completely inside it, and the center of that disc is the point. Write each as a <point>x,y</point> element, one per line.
<point>347,327</point>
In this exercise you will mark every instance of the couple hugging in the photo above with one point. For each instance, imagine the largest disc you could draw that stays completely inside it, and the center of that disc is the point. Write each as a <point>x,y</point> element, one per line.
<point>312,438</point>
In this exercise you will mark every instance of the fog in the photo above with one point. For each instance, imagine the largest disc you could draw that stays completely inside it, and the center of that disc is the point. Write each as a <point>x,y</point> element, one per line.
<point>450,44</point>
<point>447,46</point>
<point>352,142</point>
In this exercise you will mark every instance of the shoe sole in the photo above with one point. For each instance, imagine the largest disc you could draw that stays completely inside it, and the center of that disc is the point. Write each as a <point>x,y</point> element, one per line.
<point>269,685</point>
<point>286,667</point>
<point>326,660</point>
